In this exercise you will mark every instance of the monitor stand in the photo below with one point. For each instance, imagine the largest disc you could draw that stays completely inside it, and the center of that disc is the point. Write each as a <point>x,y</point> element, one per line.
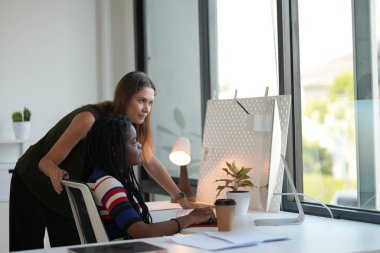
<point>285,221</point>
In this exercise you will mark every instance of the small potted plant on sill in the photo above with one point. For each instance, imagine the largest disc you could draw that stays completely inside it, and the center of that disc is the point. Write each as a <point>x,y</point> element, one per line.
<point>238,178</point>
<point>21,123</point>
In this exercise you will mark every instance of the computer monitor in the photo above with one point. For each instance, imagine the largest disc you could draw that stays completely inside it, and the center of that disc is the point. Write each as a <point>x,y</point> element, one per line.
<point>252,132</point>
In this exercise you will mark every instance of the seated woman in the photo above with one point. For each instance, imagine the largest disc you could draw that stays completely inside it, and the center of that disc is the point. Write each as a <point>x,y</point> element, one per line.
<point>112,150</point>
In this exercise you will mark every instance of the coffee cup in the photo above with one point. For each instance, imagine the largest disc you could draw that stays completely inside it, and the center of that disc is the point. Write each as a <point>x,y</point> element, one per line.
<point>225,214</point>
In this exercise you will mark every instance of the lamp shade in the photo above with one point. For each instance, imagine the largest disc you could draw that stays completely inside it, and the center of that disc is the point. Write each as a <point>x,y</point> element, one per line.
<point>180,154</point>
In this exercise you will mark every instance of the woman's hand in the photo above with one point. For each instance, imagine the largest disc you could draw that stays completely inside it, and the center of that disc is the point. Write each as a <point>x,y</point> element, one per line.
<point>77,130</point>
<point>56,176</point>
<point>186,204</point>
<point>199,215</point>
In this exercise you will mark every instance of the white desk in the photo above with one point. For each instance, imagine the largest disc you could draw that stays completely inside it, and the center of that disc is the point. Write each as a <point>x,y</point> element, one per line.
<point>316,234</point>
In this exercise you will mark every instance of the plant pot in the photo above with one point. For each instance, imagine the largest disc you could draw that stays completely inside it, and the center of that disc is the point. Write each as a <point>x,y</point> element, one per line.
<point>242,199</point>
<point>21,130</point>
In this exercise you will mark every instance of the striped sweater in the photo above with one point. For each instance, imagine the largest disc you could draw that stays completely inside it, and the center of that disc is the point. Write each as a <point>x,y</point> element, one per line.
<point>113,205</point>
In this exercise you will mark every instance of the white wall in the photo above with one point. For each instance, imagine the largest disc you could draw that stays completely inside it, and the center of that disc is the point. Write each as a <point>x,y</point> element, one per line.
<point>47,60</point>
<point>52,56</point>
<point>56,56</point>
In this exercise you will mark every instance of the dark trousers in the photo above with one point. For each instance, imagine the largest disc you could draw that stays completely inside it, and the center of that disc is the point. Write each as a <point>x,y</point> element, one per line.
<point>28,218</point>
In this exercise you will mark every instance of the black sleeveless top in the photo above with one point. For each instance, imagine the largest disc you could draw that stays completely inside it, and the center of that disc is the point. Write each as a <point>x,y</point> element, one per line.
<point>39,184</point>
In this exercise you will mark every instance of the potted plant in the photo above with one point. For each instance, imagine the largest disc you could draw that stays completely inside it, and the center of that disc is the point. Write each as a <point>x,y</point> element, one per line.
<point>238,179</point>
<point>21,123</point>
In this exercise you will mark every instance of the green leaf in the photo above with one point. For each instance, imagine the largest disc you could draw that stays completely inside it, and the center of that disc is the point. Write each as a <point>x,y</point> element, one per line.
<point>244,170</point>
<point>220,188</point>
<point>246,183</point>
<point>227,181</point>
<point>232,167</point>
<point>26,114</point>
<point>228,172</point>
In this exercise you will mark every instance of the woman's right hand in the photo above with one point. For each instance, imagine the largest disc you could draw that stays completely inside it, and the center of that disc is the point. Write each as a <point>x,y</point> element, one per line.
<point>56,176</point>
<point>186,204</point>
<point>199,215</point>
<point>77,130</point>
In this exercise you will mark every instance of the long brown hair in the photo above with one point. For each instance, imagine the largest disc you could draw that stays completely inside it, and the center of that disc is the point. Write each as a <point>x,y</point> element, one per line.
<point>129,85</point>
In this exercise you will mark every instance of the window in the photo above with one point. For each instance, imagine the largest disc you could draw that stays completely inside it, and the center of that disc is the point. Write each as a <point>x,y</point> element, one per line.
<point>170,52</point>
<point>327,102</point>
<point>243,46</point>
<point>336,56</point>
<point>324,53</point>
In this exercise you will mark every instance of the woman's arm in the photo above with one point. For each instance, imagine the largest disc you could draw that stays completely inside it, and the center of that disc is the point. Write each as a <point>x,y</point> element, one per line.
<point>77,130</point>
<point>158,172</point>
<point>112,195</point>
<point>143,230</point>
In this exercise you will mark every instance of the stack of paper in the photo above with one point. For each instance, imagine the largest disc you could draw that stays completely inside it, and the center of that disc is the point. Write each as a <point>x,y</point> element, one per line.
<point>225,240</point>
<point>162,205</point>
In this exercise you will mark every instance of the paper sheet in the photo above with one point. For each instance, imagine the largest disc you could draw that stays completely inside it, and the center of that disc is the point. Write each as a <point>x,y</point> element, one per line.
<point>225,240</point>
<point>162,205</point>
<point>198,241</point>
<point>244,236</point>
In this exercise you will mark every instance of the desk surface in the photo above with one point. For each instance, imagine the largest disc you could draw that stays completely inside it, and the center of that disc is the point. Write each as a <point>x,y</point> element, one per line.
<point>315,234</point>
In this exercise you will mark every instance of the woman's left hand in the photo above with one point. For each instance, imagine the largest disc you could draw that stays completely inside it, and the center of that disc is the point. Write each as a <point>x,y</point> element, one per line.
<point>186,204</point>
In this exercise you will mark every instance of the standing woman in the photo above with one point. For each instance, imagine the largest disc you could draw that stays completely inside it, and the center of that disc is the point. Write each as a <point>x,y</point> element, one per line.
<point>36,199</point>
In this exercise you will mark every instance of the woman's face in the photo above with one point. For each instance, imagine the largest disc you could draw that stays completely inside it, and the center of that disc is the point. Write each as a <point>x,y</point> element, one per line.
<point>140,105</point>
<point>132,148</point>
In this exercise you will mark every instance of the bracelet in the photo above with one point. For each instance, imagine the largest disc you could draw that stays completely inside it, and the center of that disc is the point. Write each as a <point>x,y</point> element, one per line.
<point>178,225</point>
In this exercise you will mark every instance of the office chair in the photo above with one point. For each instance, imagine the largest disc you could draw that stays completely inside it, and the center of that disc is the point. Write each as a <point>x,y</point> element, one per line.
<point>87,219</point>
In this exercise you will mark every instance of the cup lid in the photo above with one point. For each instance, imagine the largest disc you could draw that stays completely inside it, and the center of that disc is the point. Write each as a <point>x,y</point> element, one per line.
<point>227,202</point>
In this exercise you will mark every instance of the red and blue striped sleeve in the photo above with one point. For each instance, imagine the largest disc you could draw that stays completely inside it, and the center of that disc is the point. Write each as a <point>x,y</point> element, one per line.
<point>113,197</point>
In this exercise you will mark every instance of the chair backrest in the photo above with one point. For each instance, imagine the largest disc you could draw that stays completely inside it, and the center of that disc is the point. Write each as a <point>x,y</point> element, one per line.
<point>87,219</point>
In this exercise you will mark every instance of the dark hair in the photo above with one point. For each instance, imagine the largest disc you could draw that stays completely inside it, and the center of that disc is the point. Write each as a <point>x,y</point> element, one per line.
<point>129,85</point>
<point>105,147</point>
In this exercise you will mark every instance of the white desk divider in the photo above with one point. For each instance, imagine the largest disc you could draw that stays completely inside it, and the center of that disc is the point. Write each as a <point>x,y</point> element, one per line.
<point>253,133</point>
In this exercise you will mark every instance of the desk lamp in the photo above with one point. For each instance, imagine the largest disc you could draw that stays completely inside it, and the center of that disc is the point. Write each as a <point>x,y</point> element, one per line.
<point>180,155</point>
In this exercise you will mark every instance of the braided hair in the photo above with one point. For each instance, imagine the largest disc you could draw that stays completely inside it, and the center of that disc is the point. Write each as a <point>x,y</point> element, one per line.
<point>105,147</point>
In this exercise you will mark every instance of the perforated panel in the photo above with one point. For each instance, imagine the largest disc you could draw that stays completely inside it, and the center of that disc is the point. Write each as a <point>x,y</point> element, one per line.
<point>227,138</point>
